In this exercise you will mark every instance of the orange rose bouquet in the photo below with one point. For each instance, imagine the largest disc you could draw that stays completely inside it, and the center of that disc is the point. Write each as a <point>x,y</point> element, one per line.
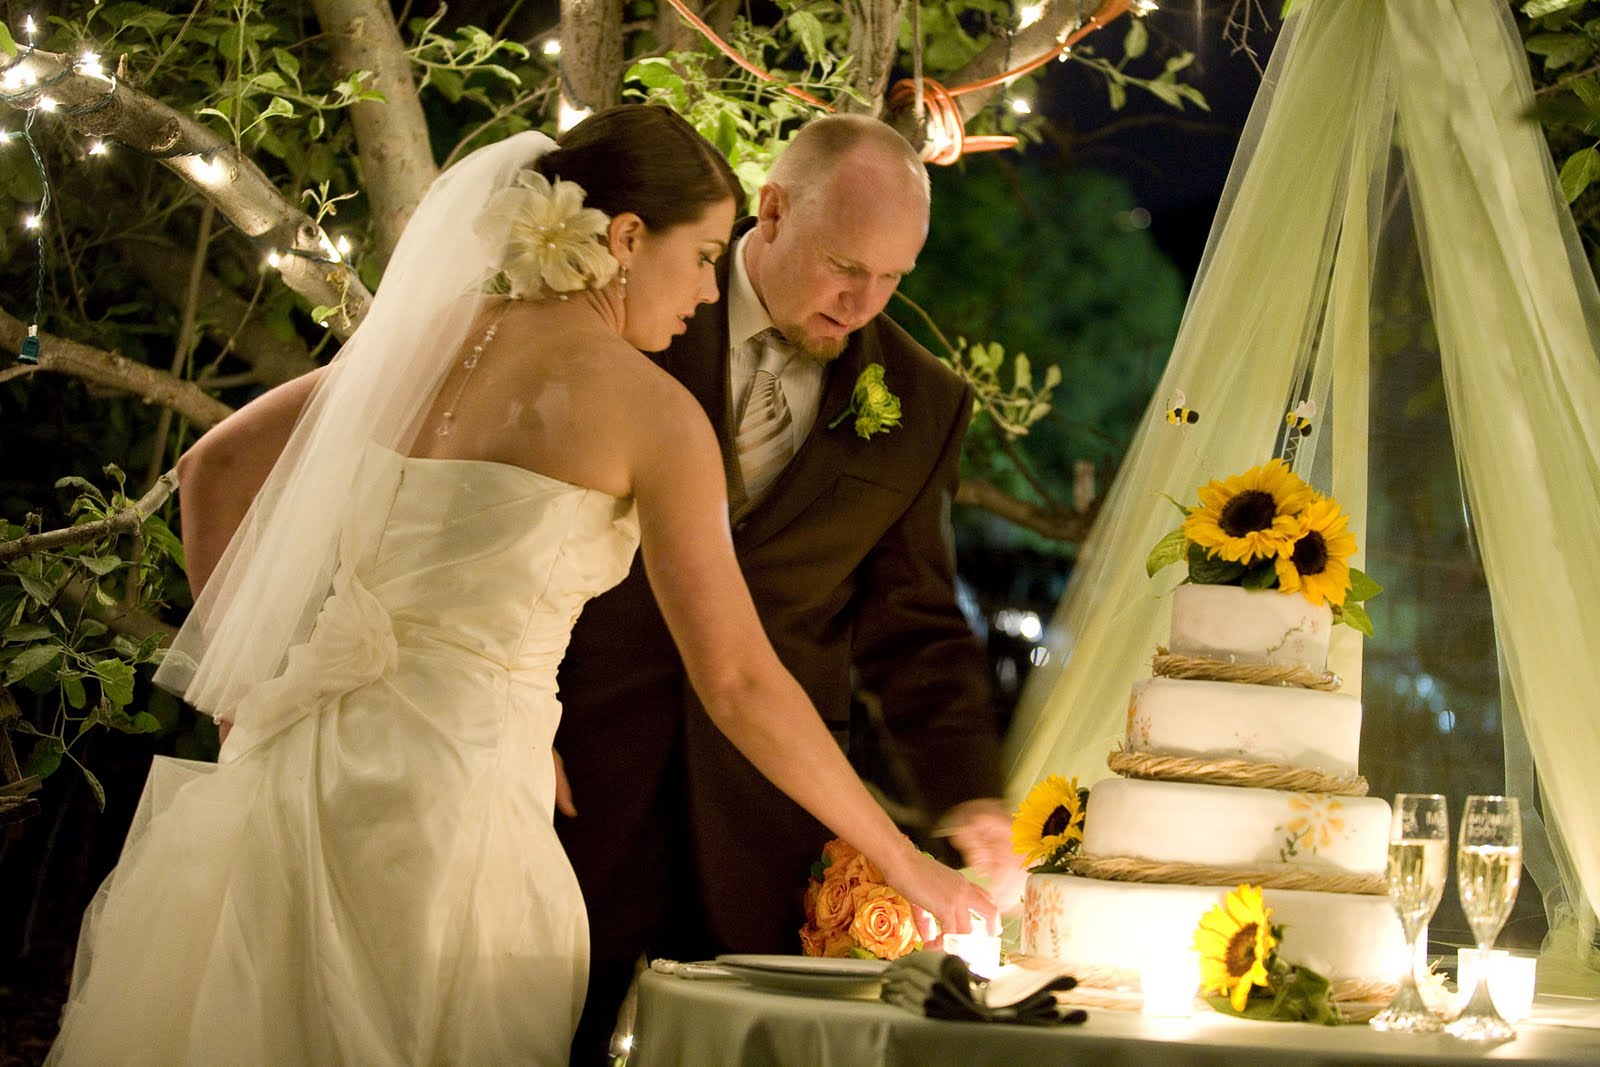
<point>851,912</point>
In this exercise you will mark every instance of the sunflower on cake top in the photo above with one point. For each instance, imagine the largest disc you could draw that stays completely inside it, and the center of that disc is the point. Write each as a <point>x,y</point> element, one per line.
<point>1239,820</point>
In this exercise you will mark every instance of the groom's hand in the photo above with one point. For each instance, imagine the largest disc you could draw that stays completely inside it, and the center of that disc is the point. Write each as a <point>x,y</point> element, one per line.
<point>981,831</point>
<point>563,788</point>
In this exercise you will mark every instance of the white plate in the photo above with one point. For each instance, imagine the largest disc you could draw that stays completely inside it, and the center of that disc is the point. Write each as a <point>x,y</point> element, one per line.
<point>809,975</point>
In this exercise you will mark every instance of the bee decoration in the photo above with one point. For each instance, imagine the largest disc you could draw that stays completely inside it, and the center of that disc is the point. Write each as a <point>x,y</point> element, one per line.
<point>1299,420</point>
<point>1178,414</point>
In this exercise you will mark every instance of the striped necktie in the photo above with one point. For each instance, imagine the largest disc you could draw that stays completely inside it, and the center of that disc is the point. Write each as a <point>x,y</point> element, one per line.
<point>764,441</point>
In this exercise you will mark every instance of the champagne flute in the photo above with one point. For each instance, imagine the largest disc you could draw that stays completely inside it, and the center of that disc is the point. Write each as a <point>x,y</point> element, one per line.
<point>1419,840</point>
<point>1488,871</point>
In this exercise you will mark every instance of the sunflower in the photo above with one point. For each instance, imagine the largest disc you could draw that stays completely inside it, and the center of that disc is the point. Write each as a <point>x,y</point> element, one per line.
<point>1250,516</point>
<point>1317,562</point>
<point>1049,818</point>
<point>1234,941</point>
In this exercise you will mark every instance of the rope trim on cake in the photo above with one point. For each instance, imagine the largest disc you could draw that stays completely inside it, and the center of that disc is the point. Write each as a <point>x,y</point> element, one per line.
<point>1268,875</point>
<point>1175,665</point>
<point>1218,771</point>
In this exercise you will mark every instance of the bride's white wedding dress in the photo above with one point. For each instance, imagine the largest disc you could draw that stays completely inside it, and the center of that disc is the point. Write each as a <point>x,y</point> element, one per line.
<point>376,879</point>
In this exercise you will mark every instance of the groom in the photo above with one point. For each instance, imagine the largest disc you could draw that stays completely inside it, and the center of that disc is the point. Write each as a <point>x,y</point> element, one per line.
<point>681,847</point>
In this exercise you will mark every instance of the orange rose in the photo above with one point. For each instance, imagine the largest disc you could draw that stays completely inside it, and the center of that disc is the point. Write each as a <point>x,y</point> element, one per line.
<point>856,871</point>
<point>835,904</point>
<point>883,924</point>
<point>838,852</point>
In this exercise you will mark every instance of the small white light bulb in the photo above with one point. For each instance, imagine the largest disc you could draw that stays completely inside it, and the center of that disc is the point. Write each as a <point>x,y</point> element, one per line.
<point>28,26</point>
<point>31,222</point>
<point>343,245</point>
<point>1021,106</point>
<point>47,103</point>
<point>1029,15</point>
<point>274,260</point>
<point>97,148</point>
<point>552,47</point>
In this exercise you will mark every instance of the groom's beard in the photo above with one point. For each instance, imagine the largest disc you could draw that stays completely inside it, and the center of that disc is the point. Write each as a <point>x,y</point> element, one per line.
<point>823,350</point>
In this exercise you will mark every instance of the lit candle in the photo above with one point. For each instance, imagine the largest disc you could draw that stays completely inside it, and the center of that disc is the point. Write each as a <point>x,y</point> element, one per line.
<point>1169,980</point>
<point>981,951</point>
<point>1511,980</point>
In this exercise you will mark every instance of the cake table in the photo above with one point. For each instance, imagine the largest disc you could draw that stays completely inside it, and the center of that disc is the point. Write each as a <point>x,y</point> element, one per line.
<point>716,1022</point>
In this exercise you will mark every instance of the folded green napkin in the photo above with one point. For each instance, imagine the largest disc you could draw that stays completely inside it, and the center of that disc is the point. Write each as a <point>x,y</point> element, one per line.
<point>939,985</point>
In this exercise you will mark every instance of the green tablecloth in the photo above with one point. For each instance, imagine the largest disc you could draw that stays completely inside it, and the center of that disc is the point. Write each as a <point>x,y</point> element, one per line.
<point>714,1022</point>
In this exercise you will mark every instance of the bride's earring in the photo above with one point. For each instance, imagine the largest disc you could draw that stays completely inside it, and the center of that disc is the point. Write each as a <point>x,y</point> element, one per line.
<point>622,277</point>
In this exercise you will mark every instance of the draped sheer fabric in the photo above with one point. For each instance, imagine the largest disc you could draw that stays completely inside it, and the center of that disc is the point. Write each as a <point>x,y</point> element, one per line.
<point>1385,133</point>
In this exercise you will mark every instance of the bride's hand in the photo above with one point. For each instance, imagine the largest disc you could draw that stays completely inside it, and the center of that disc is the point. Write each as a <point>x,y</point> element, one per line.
<point>957,906</point>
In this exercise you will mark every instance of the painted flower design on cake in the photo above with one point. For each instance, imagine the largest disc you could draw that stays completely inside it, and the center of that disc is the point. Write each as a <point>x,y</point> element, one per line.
<point>1316,821</point>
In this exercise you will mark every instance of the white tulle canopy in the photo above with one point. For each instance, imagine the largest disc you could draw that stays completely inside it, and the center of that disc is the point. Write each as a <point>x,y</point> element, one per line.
<point>1390,197</point>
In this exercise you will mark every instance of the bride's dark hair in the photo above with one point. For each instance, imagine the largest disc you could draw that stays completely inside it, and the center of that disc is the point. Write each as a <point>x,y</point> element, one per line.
<point>643,159</point>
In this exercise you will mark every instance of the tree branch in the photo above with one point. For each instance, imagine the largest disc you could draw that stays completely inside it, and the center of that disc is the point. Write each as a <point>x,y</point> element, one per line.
<point>223,315</point>
<point>126,521</point>
<point>98,107</point>
<point>1059,18</point>
<point>1069,526</point>
<point>391,136</point>
<point>61,356</point>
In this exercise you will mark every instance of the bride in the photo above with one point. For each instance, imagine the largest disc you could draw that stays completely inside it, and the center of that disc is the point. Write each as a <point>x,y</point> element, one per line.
<point>389,554</point>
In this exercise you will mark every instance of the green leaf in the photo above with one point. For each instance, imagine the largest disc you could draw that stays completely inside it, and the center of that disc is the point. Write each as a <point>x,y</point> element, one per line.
<point>116,680</point>
<point>1580,169</point>
<point>1560,49</point>
<point>278,108</point>
<point>813,39</point>
<point>1362,587</point>
<point>1263,575</point>
<point>30,660</point>
<point>1117,95</point>
<point>1354,616</point>
<point>95,787</point>
<point>1137,39</point>
<point>1538,9</point>
<point>27,631</point>
<point>45,758</point>
<point>100,565</point>
<point>1169,550</point>
<point>1204,570</point>
<point>145,723</point>
<point>7,43</point>
<point>72,686</point>
<point>40,589</point>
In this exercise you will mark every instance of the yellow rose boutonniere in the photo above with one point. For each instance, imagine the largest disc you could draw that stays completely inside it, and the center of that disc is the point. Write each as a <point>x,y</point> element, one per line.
<point>876,409</point>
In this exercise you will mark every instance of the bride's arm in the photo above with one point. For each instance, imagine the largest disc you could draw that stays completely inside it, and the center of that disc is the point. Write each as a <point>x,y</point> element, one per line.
<point>221,473</point>
<point>688,551</point>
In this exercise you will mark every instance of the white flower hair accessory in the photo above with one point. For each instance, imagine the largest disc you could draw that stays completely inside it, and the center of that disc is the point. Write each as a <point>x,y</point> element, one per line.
<point>552,243</point>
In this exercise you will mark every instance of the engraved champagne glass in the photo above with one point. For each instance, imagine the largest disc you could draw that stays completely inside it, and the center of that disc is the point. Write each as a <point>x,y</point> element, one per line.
<point>1419,842</point>
<point>1488,871</point>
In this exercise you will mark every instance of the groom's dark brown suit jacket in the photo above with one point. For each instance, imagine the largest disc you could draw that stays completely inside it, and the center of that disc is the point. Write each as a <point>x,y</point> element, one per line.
<point>849,560</point>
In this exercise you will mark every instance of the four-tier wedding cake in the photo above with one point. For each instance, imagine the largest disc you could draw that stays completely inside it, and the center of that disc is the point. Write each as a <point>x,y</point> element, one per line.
<point>1239,765</point>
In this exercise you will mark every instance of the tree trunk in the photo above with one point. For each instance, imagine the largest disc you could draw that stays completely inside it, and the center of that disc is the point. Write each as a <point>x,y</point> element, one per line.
<point>396,157</point>
<point>874,43</point>
<point>591,53</point>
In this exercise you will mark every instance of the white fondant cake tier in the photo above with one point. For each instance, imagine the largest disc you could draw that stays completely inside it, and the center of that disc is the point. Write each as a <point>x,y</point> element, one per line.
<point>1230,720</point>
<point>1250,626</point>
<point>1115,926</point>
<point>1182,822</point>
